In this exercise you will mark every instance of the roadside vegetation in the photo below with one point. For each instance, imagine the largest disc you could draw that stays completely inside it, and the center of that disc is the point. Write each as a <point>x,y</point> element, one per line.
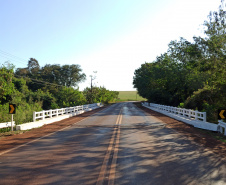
<point>189,74</point>
<point>36,88</point>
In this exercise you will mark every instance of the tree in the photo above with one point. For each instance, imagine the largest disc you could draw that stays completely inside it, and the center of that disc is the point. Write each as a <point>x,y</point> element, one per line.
<point>21,72</point>
<point>192,73</point>
<point>100,94</point>
<point>6,84</point>
<point>66,75</point>
<point>71,75</point>
<point>33,67</point>
<point>51,73</point>
<point>68,97</point>
<point>213,64</point>
<point>215,45</point>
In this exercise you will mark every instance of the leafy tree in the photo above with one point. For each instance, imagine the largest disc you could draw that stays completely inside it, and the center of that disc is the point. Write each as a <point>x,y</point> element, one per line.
<point>51,73</point>
<point>100,94</point>
<point>68,97</point>
<point>6,84</point>
<point>21,72</point>
<point>212,96</point>
<point>192,73</point>
<point>66,75</point>
<point>71,75</point>
<point>31,70</point>
<point>30,91</point>
<point>33,67</point>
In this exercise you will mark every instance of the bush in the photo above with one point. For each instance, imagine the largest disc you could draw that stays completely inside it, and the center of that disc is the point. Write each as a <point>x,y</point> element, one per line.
<point>208,99</point>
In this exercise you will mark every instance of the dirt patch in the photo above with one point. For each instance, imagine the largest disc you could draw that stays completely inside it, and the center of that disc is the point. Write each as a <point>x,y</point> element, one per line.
<point>206,138</point>
<point>8,141</point>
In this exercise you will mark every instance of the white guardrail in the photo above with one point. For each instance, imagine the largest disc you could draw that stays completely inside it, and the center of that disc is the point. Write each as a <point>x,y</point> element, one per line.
<point>49,116</point>
<point>7,124</point>
<point>222,127</point>
<point>191,114</point>
<point>42,115</point>
<point>195,118</point>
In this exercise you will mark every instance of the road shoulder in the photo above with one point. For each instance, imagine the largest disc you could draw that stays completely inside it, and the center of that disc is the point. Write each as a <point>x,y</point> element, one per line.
<point>17,139</point>
<point>199,136</point>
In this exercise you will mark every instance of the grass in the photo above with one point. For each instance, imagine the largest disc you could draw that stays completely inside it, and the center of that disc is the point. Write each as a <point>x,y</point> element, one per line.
<point>7,132</point>
<point>129,96</point>
<point>215,135</point>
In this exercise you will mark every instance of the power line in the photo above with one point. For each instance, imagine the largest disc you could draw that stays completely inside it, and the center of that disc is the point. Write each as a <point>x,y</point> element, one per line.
<point>39,81</point>
<point>7,55</point>
<point>18,59</point>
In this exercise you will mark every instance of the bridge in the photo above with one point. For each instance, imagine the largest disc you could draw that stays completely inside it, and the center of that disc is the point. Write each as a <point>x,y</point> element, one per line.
<point>117,144</point>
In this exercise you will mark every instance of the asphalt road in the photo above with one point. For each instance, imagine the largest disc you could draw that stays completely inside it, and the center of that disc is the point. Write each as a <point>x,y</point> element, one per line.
<point>118,145</point>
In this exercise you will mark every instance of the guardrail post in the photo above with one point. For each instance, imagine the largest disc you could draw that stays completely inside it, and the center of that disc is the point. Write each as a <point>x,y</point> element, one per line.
<point>34,118</point>
<point>204,116</point>
<point>196,115</point>
<point>221,130</point>
<point>56,112</point>
<point>50,113</point>
<point>43,115</point>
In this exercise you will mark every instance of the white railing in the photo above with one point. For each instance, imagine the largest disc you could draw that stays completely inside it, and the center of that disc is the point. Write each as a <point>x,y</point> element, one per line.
<point>195,118</point>
<point>68,110</point>
<point>7,124</point>
<point>221,127</point>
<point>191,114</point>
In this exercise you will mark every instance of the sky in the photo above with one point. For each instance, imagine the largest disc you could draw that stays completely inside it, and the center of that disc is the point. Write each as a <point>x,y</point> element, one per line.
<point>111,37</point>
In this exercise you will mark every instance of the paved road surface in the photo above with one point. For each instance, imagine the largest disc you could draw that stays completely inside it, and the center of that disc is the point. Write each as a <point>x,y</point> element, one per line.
<point>118,145</point>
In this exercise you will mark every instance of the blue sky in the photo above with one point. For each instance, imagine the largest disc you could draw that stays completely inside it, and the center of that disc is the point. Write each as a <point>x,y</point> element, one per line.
<point>112,37</point>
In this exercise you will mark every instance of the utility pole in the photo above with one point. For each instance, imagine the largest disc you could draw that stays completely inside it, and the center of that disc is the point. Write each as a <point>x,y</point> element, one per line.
<point>92,78</point>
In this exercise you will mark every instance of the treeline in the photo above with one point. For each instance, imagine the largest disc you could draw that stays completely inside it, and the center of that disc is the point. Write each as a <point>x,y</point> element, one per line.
<point>36,88</point>
<point>189,74</point>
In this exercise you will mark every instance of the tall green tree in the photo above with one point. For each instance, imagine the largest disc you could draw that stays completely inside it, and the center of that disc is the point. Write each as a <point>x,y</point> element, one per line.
<point>6,84</point>
<point>66,75</point>
<point>189,72</point>
<point>71,75</point>
<point>33,67</point>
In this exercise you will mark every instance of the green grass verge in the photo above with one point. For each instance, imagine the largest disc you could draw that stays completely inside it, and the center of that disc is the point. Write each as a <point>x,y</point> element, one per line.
<point>129,96</point>
<point>8,132</point>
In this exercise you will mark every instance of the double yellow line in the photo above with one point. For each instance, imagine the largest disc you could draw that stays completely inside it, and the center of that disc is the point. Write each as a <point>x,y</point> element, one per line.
<point>112,148</point>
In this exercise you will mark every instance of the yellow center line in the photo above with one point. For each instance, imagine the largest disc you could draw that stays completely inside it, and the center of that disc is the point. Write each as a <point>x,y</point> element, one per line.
<point>106,158</point>
<point>115,134</point>
<point>114,160</point>
<point>119,119</point>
